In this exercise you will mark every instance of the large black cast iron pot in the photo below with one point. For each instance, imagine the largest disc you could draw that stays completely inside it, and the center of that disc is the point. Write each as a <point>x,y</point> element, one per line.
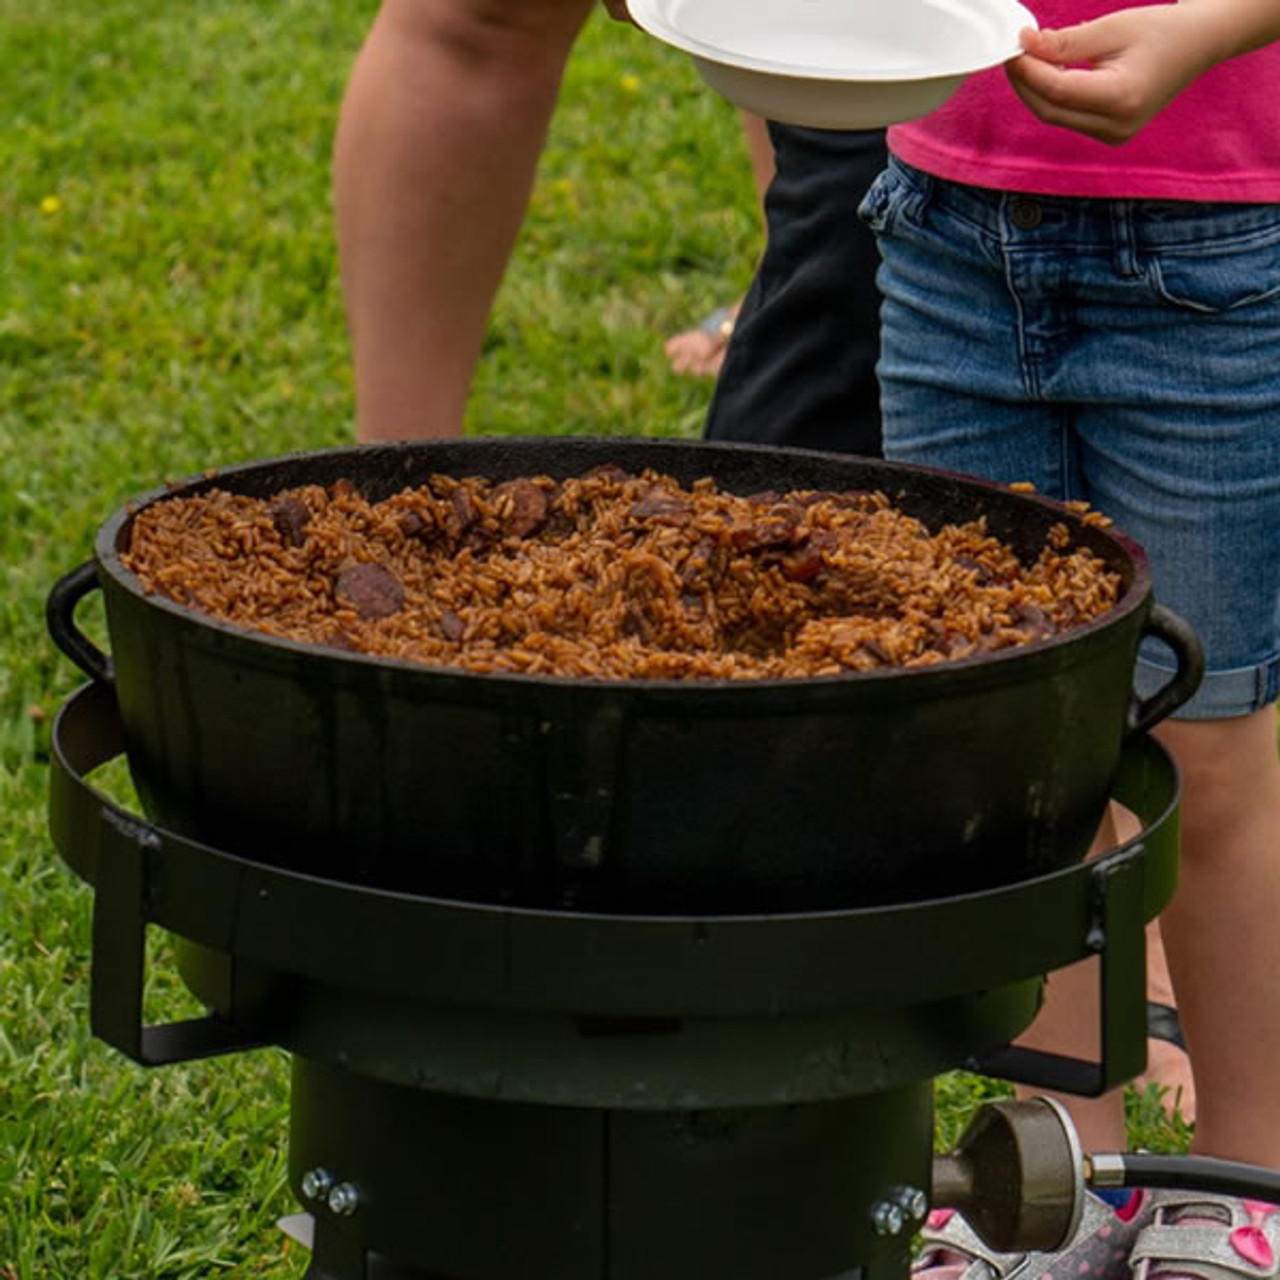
<point>636,796</point>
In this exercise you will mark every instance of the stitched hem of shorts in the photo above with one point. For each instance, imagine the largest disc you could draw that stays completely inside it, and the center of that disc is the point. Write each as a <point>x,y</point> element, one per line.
<point>1221,695</point>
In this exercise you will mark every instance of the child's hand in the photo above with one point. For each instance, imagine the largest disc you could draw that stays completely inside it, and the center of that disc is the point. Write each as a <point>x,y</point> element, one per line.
<point>1108,77</point>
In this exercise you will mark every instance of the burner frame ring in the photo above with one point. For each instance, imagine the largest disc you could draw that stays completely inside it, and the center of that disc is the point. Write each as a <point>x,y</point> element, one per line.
<point>641,966</point>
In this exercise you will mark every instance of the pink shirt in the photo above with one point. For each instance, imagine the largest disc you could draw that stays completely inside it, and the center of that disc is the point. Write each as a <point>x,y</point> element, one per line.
<point>1219,140</point>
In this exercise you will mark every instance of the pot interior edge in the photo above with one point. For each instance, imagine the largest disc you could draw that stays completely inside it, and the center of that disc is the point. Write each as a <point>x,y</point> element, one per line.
<point>380,470</point>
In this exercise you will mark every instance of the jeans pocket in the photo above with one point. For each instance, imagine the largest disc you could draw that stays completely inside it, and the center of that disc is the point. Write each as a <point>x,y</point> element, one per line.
<point>889,199</point>
<point>1216,277</point>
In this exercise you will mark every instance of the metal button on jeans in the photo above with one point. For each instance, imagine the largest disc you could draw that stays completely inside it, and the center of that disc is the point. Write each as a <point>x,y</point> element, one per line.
<point>1025,213</point>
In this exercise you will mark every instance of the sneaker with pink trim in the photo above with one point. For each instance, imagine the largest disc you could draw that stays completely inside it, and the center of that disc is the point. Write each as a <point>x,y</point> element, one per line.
<point>1202,1236</point>
<point>1099,1250</point>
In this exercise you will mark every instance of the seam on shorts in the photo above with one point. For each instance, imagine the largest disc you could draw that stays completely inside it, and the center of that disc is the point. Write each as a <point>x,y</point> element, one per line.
<point>1264,676</point>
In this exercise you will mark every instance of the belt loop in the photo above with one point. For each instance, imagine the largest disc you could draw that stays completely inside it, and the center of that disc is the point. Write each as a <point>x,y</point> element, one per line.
<point>923,198</point>
<point>1124,238</point>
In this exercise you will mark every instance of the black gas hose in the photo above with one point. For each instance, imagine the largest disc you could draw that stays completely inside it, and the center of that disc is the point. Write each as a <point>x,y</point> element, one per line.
<point>1111,1170</point>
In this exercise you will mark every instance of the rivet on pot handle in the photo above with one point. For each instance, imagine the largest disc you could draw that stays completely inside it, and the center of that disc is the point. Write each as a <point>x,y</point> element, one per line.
<point>1166,626</point>
<point>59,613</point>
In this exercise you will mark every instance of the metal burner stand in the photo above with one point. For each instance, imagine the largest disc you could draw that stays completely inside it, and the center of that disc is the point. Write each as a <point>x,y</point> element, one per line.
<point>491,1093</point>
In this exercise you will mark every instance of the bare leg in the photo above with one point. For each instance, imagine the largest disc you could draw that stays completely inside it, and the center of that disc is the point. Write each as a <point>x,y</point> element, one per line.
<point>1223,947</point>
<point>1222,930</point>
<point>441,128</point>
<point>761,149</point>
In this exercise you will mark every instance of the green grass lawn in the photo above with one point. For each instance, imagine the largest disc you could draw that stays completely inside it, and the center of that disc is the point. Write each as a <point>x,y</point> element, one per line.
<point>169,302</point>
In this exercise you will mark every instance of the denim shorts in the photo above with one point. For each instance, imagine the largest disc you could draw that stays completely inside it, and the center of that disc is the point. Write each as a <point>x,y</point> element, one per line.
<point>1121,352</point>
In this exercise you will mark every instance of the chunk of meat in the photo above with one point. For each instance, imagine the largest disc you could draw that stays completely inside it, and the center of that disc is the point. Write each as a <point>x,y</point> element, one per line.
<point>523,506</point>
<point>290,517</point>
<point>374,592</point>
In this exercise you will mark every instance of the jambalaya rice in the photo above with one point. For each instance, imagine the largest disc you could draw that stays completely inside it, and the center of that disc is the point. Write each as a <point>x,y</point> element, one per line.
<point>612,575</point>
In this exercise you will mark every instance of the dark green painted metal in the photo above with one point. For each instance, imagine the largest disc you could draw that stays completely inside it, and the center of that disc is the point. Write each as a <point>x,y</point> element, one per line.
<point>458,1187</point>
<point>335,957</point>
<point>453,1186</point>
<point>657,797</point>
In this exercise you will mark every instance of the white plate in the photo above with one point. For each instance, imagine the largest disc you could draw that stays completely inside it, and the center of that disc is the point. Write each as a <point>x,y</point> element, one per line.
<point>837,64</point>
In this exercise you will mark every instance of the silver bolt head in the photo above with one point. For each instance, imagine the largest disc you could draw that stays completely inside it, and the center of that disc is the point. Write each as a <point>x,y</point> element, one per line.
<point>888,1219</point>
<point>914,1203</point>
<point>316,1183</point>
<point>343,1199</point>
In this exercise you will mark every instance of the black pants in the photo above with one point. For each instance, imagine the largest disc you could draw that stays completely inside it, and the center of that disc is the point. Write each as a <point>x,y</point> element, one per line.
<point>800,368</point>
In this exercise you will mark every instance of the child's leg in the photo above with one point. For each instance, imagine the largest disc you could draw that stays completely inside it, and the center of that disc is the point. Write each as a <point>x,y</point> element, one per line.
<point>1223,930</point>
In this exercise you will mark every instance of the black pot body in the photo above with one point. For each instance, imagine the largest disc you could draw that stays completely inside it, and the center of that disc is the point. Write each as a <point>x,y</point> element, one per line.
<point>650,797</point>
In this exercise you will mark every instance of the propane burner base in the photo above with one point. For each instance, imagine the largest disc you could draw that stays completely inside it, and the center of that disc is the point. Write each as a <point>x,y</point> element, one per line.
<point>461,1187</point>
<point>415,1162</point>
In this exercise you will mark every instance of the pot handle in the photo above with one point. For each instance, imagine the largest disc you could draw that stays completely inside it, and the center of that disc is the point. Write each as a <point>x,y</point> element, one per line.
<point>59,613</point>
<point>1165,625</point>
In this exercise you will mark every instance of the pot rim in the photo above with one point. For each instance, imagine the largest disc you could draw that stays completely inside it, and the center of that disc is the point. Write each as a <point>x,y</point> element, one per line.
<point>1006,665</point>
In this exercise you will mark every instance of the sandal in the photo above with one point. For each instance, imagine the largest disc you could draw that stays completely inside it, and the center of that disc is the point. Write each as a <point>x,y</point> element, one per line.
<point>1163,1024</point>
<point>1099,1249</point>
<point>699,352</point>
<point>1210,1237</point>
